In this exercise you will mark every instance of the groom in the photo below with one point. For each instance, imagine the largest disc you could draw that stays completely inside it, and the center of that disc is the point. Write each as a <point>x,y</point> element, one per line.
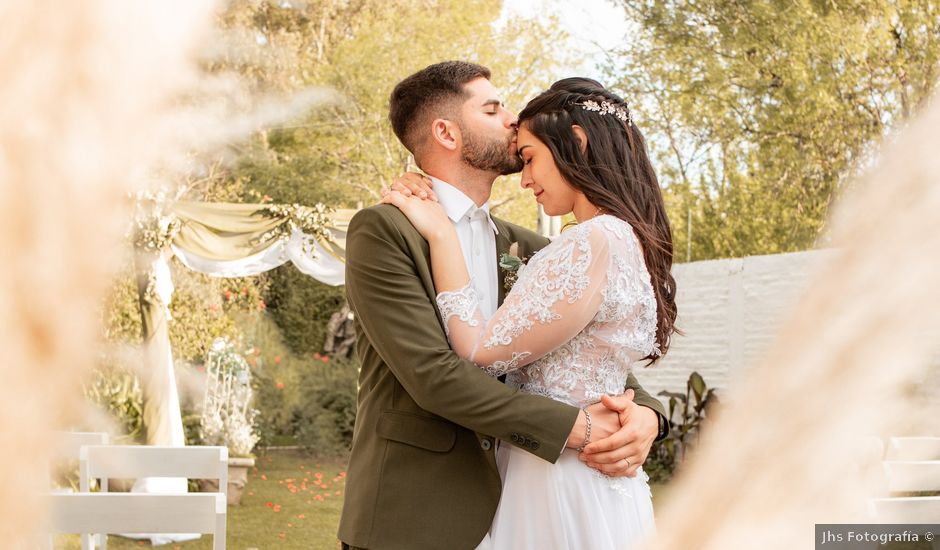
<point>422,472</point>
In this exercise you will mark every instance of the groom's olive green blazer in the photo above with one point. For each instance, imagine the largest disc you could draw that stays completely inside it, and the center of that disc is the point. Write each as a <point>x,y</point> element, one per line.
<point>422,471</point>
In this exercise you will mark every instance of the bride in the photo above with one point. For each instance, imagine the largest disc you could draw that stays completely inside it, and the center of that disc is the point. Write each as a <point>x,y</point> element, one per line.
<point>599,299</point>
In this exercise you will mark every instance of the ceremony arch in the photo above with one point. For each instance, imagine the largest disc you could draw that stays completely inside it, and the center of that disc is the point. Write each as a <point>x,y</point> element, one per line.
<point>220,240</point>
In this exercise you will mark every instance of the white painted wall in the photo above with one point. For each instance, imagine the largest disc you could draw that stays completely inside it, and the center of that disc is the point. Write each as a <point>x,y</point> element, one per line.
<point>729,310</point>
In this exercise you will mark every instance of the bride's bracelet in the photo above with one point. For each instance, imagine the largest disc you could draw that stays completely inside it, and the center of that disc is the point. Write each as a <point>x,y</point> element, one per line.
<point>587,431</point>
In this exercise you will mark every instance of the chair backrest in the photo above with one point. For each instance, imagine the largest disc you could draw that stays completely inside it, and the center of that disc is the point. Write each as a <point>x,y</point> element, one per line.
<point>70,443</point>
<point>913,448</point>
<point>70,446</point>
<point>129,461</point>
<point>135,461</point>
<point>907,475</point>
<point>912,465</point>
<point>906,509</point>
<point>139,513</point>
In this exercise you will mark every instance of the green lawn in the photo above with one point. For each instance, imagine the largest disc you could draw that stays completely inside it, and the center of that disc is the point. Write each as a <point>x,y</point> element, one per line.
<point>291,501</point>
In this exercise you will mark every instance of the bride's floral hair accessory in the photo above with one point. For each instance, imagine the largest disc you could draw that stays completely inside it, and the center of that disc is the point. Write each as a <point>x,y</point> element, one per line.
<point>606,108</point>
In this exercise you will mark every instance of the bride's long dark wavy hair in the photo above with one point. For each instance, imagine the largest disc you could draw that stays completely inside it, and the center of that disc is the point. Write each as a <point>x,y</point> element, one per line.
<point>614,173</point>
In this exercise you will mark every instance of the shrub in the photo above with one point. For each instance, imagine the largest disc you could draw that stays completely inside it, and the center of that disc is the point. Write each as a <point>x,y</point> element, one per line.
<point>327,411</point>
<point>203,308</point>
<point>687,414</point>
<point>276,394</point>
<point>301,306</point>
<point>121,311</point>
<point>116,390</point>
<point>276,378</point>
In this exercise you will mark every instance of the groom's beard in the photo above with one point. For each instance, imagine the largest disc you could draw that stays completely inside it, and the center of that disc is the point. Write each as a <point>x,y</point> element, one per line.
<point>491,155</point>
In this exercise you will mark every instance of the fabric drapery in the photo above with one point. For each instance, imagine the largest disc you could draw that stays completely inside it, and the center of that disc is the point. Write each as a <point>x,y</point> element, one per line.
<point>242,240</point>
<point>224,240</point>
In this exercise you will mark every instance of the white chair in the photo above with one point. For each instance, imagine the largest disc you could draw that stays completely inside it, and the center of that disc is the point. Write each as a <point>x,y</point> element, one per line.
<point>912,465</point>
<point>913,475</point>
<point>906,509</point>
<point>70,445</point>
<point>913,448</point>
<point>203,513</point>
<point>136,461</point>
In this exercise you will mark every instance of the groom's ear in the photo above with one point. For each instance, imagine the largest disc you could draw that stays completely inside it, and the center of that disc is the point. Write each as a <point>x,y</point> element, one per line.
<point>445,133</point>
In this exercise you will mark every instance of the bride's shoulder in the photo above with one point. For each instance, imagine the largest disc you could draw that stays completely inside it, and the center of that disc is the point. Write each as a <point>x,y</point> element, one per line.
<point>609,232</point>
<point>604,227</point>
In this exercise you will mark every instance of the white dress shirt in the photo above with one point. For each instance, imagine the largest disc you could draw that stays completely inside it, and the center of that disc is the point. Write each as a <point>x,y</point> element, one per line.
<point>477,234</point>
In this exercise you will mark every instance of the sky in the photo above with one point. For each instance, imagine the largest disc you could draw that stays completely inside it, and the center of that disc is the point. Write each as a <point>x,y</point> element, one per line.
<point>594,25</point>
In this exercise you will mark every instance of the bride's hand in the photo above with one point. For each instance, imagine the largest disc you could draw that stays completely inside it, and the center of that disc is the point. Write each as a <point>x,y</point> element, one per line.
<point>427,216</point>
<point>413,184</point>
<point>626,450</point>
<point>604,423</point>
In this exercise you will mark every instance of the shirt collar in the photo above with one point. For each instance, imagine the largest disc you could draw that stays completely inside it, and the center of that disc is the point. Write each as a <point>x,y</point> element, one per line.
<point>456,203</point>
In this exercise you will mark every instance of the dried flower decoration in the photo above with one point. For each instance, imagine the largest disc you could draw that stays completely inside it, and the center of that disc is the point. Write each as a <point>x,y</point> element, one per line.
<point>313,221</point>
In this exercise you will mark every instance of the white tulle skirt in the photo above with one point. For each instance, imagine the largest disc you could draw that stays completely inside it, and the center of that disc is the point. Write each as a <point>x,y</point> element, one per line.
<point>566,506</point>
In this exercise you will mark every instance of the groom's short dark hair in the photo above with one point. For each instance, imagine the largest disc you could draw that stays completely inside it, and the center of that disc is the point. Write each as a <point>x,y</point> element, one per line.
<point>433,92</point>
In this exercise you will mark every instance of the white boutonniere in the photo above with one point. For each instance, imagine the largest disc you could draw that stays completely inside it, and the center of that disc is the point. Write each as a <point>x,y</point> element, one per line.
<point>511,264</point>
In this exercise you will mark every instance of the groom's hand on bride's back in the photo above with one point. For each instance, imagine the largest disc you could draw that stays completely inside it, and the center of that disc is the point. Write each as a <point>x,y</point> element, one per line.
<point>623,452</point>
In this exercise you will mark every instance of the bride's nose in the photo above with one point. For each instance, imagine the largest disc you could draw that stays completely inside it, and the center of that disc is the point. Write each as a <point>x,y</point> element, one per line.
<point>525,181</point>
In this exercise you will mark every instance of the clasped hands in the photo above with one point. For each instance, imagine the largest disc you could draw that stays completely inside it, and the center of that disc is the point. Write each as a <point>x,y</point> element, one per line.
<point>622,432</point>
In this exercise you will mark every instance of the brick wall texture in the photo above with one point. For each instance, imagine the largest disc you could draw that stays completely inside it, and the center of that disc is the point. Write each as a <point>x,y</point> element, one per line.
<point>728,311</point>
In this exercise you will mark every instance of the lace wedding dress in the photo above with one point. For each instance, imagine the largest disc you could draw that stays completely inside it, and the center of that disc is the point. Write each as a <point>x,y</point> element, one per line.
<point>581,312</point>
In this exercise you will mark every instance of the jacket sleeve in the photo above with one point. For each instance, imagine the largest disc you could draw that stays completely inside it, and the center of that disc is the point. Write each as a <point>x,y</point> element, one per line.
<point>396,313</point>
<point>644,399</point>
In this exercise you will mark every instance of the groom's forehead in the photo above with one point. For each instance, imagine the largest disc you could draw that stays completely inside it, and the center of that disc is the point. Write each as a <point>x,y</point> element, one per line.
<point>481,90</point>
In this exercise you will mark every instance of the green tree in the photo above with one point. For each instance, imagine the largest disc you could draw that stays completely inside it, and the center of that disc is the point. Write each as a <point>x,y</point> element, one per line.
<point>352,54</point>
<point>349,55</point>
<point>758,112</point>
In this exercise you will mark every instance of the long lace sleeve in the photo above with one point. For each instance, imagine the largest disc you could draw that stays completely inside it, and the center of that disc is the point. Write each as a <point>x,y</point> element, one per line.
<point>556,296</point>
